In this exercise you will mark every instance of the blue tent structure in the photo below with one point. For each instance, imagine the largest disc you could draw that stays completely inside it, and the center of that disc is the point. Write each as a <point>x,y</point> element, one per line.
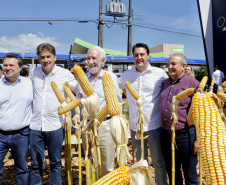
<point>110,58</point>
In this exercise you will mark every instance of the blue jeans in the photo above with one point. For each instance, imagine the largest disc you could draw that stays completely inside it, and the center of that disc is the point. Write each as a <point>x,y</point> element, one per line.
<point>53,140</point>
<point>18,141</point>
<point>154,142</point>
<point>184,156</point>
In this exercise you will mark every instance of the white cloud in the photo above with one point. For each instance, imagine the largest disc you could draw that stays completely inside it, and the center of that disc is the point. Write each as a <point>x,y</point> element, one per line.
<point>25,42</point>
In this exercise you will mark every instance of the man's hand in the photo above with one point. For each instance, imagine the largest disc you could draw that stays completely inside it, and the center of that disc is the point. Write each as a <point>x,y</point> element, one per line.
<point>196,147</point>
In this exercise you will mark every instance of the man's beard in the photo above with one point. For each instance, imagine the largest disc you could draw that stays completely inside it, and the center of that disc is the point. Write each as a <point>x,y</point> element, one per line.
<point>95,69</point>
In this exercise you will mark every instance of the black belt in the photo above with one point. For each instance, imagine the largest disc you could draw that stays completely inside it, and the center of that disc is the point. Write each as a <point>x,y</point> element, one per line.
<point>14,131</point>
<point>183,131</point>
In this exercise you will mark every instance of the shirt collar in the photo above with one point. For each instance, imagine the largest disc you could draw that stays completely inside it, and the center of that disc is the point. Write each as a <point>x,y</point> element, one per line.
<point>7,82</point>
<point>89,75</point>
<point>55,69</point>
<point>179,79</point>
<point>149,69</point>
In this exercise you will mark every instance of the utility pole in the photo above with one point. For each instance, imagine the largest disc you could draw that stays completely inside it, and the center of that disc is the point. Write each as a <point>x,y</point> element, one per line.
<point>100,26</point>
<point>129,43</point>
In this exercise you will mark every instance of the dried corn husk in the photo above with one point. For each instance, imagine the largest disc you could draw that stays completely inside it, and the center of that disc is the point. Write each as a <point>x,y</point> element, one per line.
<point>120,134</point>
<point>140,174</point>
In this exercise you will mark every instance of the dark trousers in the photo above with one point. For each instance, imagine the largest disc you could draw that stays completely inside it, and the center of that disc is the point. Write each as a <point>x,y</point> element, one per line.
<point>184,156</point>
<point>53,141</point>
<point>18,142</point>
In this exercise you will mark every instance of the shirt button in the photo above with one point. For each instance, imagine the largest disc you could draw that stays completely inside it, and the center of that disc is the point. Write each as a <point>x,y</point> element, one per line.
<point>169,93</point>
<point>164,119</point>
<point>167,101</point>
<point>166,110</point>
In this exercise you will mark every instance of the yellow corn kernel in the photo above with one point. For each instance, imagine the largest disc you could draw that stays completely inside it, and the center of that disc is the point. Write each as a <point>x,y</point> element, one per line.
<point>222,96</point>
<point>69,93</point>
<point>203,82</point>
<point>118,176</point>
<point>102,114</point>
<point>185,93</point>
<point>110,95</point>
<point>83,81</point>
<point>69,106</point>
<point>132,91</point>
<point>57,92</point>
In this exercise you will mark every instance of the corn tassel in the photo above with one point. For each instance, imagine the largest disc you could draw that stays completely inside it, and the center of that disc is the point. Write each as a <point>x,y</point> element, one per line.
<point>132,91</point>
<point>211,138</point>
<point>118,176</point>
<point>57,92</point>
<point>83,81</point>
<point>185,93</point>
<point>69,106</point>
<point>102,114</point>
<point>110,95</point>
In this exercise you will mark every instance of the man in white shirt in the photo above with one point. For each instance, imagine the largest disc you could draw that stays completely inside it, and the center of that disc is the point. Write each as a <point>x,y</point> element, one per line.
<point>147,81</point>
<point>219,77</point>
<point>16,95</point>
<point>95,60</point>
<point>46,124</point>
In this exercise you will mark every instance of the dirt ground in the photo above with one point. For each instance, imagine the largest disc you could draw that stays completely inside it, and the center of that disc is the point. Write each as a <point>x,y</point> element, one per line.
<point>9,170</point>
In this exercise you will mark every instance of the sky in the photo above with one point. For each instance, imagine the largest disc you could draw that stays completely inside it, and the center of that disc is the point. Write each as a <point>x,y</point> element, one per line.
<point>155,22</point>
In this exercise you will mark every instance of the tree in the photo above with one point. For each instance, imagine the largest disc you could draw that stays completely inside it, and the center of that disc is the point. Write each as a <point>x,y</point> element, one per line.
<point>200,72</point>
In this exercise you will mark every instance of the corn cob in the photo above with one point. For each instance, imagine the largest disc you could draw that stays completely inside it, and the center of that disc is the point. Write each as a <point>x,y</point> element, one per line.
<point>185,93</point>
<point>223,84</point>
<point>190,119</point>
<point>211,138</point>
<point>69,106</point>
<point>102,114</point>
<point>69,93</point>
<point>57,92</point>
<point>212,82</point>
<point>83,81</point>
<point>110,95</point>
<point>118,176</point>
<point>222,96</point>
<point>203,82</point>
<point>131,89</point>
<point>67,84</point>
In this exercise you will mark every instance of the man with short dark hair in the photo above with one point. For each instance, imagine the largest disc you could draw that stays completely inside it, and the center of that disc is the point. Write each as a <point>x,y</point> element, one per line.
<point>46,124</point>
<point>147,81</point>
<point>186,144</point>
<point>16,97</point>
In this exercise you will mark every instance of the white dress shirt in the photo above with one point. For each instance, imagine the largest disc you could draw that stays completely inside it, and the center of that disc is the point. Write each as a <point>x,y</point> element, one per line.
<point>46,105</point>
<point>148,84</point>
<point>218,75</point>
<point>98,87</point>
<point>15,104</point>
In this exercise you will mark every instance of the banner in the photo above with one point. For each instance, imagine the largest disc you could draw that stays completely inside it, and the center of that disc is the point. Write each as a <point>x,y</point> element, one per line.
<point>219,33</point>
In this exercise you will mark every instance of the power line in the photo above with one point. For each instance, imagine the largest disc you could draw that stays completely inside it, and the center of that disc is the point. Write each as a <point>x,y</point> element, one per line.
<point>169,31</point>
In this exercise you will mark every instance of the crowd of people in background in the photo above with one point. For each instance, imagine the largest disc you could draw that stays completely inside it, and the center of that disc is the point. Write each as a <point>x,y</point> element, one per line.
<point>29,117</point>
